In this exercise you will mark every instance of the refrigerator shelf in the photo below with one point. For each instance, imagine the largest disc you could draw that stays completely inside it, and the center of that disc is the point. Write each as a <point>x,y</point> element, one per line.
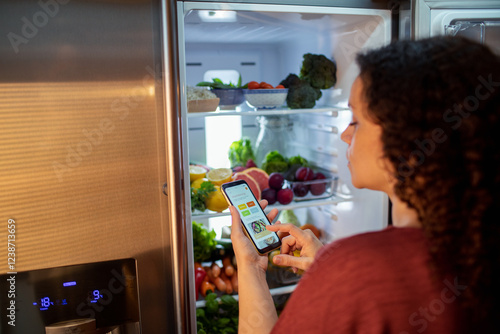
<point>274,292</point>
<point>293,205</point>
<point>333,110</point>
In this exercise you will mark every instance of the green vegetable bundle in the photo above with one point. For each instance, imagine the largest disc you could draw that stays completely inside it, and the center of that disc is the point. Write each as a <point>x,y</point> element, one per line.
<point>240,152</point>
<point>275,162</point>
<point>203,242</point>
<point>200,195</point>
<point>218,317</point>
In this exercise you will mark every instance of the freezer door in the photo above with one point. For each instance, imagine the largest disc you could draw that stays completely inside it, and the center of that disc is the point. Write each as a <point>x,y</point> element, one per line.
<point>87,142</point>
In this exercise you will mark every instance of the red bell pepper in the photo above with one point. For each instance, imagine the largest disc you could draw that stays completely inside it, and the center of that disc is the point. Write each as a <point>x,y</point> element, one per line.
<point>199,275</point>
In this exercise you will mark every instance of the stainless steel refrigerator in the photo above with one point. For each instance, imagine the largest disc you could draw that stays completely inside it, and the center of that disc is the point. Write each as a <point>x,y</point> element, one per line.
<point>96,138</point>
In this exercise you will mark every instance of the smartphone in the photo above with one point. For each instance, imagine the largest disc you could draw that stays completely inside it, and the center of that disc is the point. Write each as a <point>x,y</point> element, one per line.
<point>253,218</point>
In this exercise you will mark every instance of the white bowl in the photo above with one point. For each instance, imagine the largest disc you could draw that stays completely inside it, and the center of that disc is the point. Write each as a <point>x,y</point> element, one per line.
<point>266,98</point>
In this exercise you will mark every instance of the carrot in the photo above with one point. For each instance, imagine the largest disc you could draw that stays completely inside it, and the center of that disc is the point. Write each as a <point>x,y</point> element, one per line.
<point>205,287</point>
<point>215,269</point>
<point>234,282</point>
<point>229,286</point>
<point>219,283</point>
<point>228,267</point>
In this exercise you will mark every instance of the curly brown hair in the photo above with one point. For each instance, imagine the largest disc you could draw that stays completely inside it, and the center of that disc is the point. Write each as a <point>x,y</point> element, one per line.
<point>438,103</point>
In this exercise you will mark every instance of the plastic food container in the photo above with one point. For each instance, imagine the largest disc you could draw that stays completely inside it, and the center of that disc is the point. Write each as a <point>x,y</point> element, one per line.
<point>316,189</point>
<point>203,105</point>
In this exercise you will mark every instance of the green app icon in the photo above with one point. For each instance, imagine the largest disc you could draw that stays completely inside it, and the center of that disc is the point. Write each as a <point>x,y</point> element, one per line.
<point>245,213</point>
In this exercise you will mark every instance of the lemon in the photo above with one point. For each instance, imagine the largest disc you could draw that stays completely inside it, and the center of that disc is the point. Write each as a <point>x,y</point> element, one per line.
<point>272,255</point>
<point>197,183</point>
<point>216,201</point>
<point>196,173</point>
<point>219,176</point>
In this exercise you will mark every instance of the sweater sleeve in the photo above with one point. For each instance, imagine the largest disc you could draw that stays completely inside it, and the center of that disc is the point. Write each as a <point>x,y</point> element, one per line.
<point>322,302</point>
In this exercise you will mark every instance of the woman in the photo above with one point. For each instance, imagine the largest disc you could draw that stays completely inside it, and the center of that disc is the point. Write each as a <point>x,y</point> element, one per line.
<point>425,130</point>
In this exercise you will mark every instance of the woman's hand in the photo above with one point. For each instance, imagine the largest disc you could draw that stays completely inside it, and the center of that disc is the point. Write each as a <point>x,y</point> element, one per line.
<point>245,252</point>
<point>303,240</point>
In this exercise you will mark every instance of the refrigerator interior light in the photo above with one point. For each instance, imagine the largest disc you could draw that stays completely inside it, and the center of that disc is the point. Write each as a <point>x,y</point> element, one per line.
<point>217,15</point>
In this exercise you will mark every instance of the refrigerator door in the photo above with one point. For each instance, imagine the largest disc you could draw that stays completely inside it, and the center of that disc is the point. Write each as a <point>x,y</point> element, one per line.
<point>478,20</point>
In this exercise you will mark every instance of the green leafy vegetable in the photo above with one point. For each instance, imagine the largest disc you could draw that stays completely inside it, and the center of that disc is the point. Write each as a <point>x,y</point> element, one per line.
<point>217,83</point>
<point>203,242</point>
<point>288,216</point>
<point>295,163</point>
<point>298,160</point>
<point>218,317</point>
<point>240,152</point>
<point>274,162</point>
<point>200,195</point>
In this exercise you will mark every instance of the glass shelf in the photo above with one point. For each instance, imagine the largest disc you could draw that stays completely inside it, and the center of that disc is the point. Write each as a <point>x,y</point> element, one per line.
<point>294,205</point>
<point>333,110</point>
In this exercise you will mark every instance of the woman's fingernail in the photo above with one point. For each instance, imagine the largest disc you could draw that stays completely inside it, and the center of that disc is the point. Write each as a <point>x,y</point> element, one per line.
<point>277,260</point>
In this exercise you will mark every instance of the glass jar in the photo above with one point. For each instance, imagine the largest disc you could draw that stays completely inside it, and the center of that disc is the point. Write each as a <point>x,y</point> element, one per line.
<point>276,134</point>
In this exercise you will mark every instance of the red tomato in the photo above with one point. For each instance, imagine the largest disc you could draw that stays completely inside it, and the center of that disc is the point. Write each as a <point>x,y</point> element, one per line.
<point>265,85</point>
<point>253,85</point>
<point>280,87</point>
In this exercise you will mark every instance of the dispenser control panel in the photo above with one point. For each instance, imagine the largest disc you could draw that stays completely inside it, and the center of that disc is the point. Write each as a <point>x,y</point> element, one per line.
<point>104,291</point>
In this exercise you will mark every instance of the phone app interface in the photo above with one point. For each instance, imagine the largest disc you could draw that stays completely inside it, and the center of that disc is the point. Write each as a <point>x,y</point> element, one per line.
<point>252,216</point>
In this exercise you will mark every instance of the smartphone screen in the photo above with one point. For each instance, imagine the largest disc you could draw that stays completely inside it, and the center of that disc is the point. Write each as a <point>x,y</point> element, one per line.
<point>253,218</point>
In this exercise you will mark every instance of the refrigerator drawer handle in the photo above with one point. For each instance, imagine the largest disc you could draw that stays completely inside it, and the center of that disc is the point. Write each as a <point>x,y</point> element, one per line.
<point>325,128</point>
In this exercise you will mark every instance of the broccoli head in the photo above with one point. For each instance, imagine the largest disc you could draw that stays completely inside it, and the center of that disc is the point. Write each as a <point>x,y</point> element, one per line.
<point>300,92</point>
<point>303,96</point>
<point>292,80</point>
<point>319,71</point>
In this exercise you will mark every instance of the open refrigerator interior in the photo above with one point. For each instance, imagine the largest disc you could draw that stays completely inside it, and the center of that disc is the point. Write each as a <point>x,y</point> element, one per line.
<point>267,43</point>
